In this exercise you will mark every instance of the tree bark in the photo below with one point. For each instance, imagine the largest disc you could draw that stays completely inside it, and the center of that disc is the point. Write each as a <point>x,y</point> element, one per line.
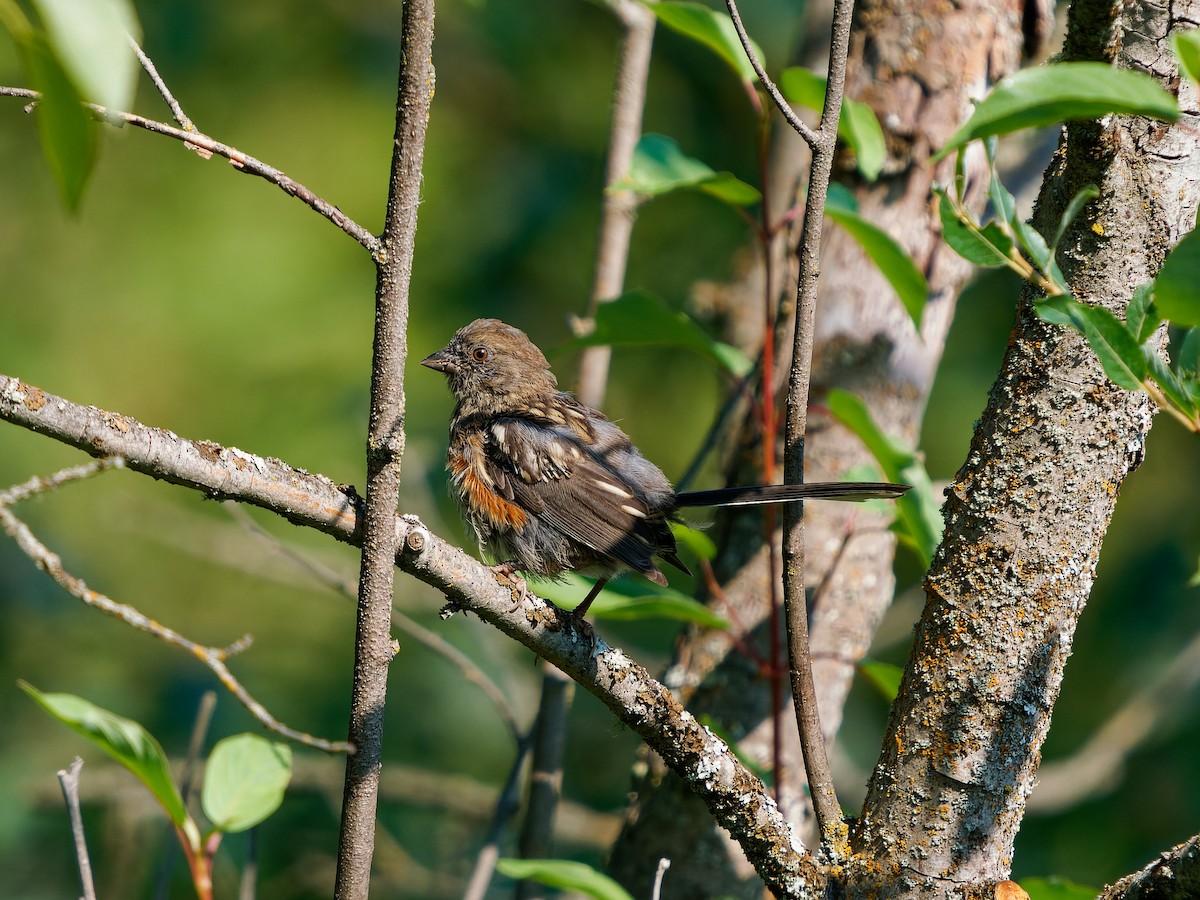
<point>918,65</point>
<point>1027,513</point>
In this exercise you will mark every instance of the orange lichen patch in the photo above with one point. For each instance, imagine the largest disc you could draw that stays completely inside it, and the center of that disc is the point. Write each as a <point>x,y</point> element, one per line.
<point>481,499</point>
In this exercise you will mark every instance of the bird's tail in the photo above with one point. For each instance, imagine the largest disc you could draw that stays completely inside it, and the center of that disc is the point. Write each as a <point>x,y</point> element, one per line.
<point>759,494</point>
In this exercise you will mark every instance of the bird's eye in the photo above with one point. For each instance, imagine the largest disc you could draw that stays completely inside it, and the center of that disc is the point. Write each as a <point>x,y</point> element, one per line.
<point>481,353</point>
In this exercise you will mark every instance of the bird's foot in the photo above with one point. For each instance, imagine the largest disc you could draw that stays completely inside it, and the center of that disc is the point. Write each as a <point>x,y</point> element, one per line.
<point>509,571</point>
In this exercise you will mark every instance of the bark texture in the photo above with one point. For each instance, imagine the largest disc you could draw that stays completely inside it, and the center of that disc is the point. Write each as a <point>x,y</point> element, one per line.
<point>918,64</point>
<point>1027,513</point>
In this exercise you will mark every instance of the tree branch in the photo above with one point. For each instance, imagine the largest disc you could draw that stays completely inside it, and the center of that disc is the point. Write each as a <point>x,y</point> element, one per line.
<point>373,646</point>
<point>1174,875</point>
<point>826,807</point>
<point>68,779</point>
<point>206,146</point>
<point>735,797</point>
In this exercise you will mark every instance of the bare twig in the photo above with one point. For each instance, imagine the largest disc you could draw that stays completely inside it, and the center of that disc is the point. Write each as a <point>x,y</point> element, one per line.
<point>243,162</point>
<point>733,794</point>
<point>797,124</point>
<point>40,485</point>
<point>823,142</point>
<point>68,779</point>
<point>619,207</point>
<point>506,807</point>
<point>172,104</point>
<point>348,588</point>
<point>212,657</point>
<point>545,778</point>
<point>373,648</point>
<point>1100,762</point>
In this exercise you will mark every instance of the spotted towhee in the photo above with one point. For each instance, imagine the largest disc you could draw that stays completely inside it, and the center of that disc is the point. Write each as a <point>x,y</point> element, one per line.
<point>551,486</point>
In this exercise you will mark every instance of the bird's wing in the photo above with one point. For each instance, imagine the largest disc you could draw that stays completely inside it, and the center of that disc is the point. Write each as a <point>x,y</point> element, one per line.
<point>549,471</point>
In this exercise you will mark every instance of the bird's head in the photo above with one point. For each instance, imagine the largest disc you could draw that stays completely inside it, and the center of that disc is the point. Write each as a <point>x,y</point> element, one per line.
<point>490,364</point>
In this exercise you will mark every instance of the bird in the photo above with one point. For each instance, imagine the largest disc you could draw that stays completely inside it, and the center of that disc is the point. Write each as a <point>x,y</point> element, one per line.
<point>551,486</point>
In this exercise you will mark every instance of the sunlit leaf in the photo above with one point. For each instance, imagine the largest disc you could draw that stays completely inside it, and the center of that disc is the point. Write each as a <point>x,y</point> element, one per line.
<point>918,512</point>
<point>1118,351</point>
<point>566,875</point>
<point>857,125</point>
<point>68,135</point>
<point>640,319</point>
<point>1141,315</point>
<point>695,540</point>
<point>884,677</point>
<point>1177,392</point>
<point>125,741</point>
<point>659,166</point>
<point>1045,95</point>
<point>627,600</point>
<point>1185,44</point>
<point>90,39</point>
<point>882,249</point>
<point>1175,292</point>
<point>988,247</point>
<point>244,781</point>
<point>711,28</point>
<point>1187,358</point>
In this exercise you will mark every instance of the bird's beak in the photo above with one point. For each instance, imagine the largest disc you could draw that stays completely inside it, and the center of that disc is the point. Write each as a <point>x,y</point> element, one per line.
<point>440,362</point>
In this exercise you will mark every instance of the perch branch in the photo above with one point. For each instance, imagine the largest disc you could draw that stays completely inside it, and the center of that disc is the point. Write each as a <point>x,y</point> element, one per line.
<point>213,657</point>
<point>735,797</point>
<point>68,779</point>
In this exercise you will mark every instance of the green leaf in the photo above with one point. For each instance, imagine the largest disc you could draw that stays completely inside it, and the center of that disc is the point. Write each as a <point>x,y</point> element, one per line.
<point>1187,360</point>
<point>840,197</point>
<point>68,135</point>
<point>89,37</point>
<point>627,601</point>
<point>641,319</point>
<point>1033,98</point>
<point>244,781</point>
<point>565,875</point>
<point>857,124</point>
<point>897,266</point>
<point>695,540</point>
<point>1175,292</point>
<point>918,513</point>
<point>1141,315</point>
<point>1118,351</point>
<point>659,166</point>
<point>884,677</point>
<point>1178,393</point>
<point>988,247</point>
<point>712,29</point>
<point>1186,47</point>
<point>1033,244</point>
<point>1056,888</point>
<point>125,741</point>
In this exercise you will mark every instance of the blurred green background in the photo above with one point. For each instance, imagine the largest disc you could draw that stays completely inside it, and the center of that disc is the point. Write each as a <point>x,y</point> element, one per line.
<point>196,299</point>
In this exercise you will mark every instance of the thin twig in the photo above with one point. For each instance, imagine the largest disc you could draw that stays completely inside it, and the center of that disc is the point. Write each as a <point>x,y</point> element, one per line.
<point>797,124</point>
<point>348,588</point>
<point>506,806</point>
<point>826,807</point>
<point>213,657</point>
<point>373,645</point>
<point>545,777</point>
<point>163,90</point>
<point>68,779</point>
<point>243,162</point>
<point>618,207</point>
<point>39,484</point>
